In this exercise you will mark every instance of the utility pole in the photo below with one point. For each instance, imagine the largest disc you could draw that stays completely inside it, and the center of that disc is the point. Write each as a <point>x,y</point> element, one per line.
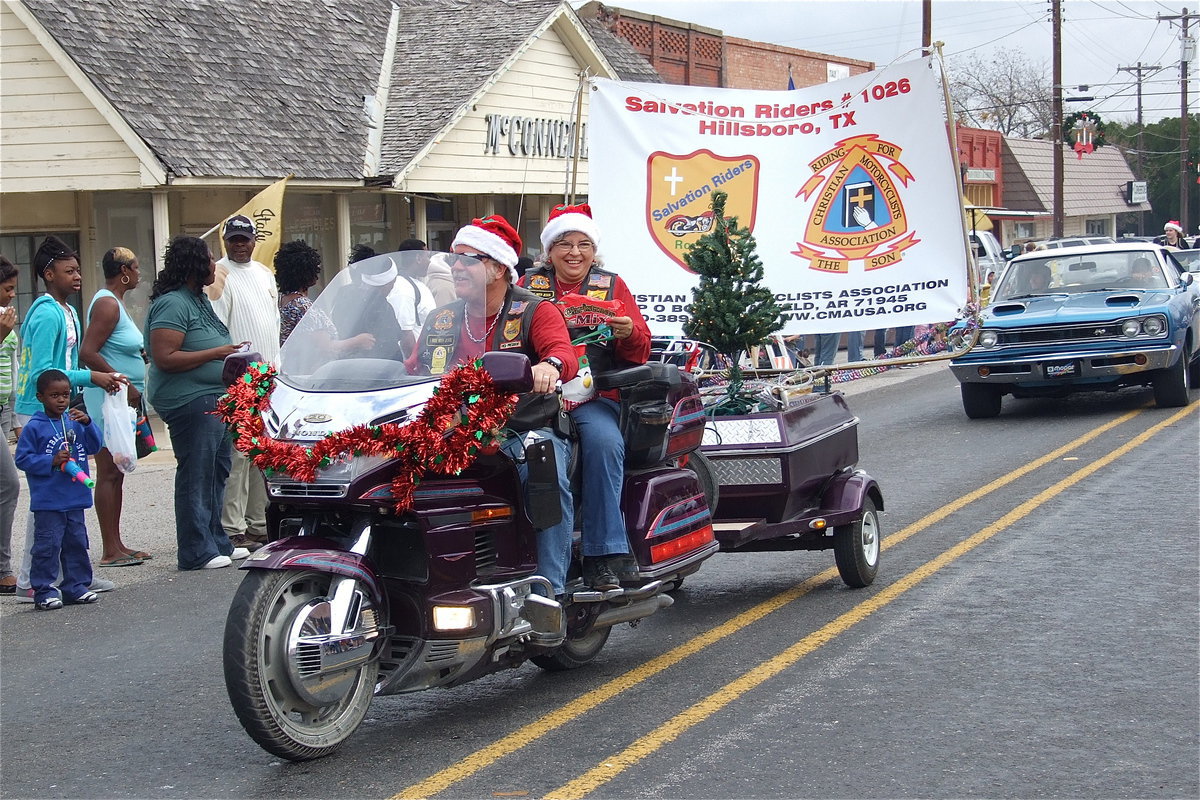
<point>1186,54</point>
<point>1056,25</point>
<point>1141,164</point>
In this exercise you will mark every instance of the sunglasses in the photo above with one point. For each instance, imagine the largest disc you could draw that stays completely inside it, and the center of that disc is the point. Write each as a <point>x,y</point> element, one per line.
<point>467,259</point>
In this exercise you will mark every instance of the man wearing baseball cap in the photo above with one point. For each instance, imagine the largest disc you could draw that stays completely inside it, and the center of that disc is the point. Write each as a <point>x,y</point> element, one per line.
<point>246,299</point>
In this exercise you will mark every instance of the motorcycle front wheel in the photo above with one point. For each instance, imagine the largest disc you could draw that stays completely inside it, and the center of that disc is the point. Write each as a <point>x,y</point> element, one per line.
<point>257,674</point>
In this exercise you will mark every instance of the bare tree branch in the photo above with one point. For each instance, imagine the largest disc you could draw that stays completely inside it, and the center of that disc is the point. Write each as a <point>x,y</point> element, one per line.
<point>1002,91</point>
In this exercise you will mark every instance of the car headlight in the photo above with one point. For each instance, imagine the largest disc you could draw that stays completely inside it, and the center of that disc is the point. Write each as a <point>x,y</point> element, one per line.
<point>988,338</point>
<point>1154,326</point>
<point>1131,327</point>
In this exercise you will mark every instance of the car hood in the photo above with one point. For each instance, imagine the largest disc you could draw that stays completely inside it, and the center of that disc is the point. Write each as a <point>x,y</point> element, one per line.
<point>1069,308</point>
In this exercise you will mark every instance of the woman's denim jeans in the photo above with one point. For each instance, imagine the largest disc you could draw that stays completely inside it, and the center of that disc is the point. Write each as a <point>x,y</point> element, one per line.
<point>602,460</point>
<point>202,456</point>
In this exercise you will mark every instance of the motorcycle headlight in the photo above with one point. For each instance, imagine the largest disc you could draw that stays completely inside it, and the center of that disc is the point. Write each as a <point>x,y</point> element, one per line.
<point>1154,326</point>
<point>988,338</point>
<point>346,471</point>
<point>1131,327</point>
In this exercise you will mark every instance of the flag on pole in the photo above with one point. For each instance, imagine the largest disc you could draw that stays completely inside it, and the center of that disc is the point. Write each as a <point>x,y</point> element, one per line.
<point>266,209</point>
<point>791,83</point>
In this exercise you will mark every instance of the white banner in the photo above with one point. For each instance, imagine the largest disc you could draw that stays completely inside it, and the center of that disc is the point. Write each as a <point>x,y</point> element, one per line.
<point>848,187</point>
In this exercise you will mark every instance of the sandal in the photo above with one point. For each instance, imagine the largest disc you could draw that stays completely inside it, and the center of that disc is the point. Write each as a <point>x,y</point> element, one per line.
<point>142,554</point>
<point>123,561</point>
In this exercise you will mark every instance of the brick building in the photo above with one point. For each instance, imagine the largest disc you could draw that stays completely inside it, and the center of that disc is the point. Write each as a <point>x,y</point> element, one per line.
<point>693,55</point>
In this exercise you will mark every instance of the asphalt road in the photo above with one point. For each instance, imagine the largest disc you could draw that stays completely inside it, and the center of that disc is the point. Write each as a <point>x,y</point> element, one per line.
<point>1034,631</point>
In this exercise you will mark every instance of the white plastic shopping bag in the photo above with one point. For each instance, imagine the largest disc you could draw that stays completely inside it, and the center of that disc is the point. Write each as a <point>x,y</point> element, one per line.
<point>119,421</point>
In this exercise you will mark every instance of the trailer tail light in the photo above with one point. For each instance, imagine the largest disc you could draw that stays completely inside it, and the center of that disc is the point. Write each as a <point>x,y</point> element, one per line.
<point>683,544</point>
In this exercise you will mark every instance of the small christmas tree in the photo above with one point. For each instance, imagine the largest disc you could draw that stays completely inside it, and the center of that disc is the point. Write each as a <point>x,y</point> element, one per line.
<point>729,309</point>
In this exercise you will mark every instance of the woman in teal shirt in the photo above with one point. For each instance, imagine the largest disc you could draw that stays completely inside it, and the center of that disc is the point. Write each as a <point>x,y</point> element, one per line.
<point>188,345</point>
<point>113,343</point>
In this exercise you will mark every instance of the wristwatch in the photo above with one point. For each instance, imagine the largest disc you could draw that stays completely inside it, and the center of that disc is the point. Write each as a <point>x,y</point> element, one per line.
<point>554,362</point>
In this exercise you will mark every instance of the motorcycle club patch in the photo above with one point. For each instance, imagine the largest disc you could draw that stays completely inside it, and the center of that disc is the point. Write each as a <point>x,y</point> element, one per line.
<point>539,281</point>
<point>602,281</point>
<point>597,294</point>
<point>437,364</point>
<point>444,320</point>
<point>508,345</point>
<point>512,328</point>
<point>518,306</point>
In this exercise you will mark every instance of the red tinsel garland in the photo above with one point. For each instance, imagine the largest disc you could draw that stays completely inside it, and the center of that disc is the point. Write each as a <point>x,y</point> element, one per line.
<point>463,417</point>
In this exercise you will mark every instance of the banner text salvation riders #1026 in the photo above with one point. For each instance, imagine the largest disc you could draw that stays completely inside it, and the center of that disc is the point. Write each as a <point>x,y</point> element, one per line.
<point>849,188</point>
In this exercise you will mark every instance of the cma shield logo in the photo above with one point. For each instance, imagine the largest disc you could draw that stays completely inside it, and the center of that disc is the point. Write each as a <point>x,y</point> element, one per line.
<point>678,196</point>
<point>859,211</point>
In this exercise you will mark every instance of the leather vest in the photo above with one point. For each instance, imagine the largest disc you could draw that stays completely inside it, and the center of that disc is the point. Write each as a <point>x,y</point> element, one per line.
<point>439,347</point>
<point>597,284</point>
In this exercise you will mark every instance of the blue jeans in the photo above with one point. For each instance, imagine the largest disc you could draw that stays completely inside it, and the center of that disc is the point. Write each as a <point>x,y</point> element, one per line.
<point>553,543</point>
<point>827,347</point>
<point>202,457</point>
<point>60,538</point>
<point>854,345</point>
<point>602,454</point>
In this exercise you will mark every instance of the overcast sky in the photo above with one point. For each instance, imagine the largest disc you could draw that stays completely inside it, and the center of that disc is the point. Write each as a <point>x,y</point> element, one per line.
<point>1098,37</point>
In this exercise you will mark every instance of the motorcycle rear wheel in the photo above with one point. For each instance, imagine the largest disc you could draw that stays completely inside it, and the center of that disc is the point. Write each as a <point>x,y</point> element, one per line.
<point>575,652</point>
<point>256,673</point>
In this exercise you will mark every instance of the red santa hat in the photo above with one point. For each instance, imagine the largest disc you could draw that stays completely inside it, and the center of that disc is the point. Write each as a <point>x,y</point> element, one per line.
<point>1173,225</point>
<point>492,236</point>
<point>565,219</point>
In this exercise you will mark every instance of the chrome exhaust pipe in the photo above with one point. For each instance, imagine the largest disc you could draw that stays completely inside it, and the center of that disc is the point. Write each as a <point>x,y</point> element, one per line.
<point>633,611</point>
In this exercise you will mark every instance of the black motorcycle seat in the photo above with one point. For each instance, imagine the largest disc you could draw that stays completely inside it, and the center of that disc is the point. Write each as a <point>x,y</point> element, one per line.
<point>620,378</point>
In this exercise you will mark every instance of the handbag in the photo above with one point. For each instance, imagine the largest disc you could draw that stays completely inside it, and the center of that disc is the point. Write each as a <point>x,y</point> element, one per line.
<point>143,439</point>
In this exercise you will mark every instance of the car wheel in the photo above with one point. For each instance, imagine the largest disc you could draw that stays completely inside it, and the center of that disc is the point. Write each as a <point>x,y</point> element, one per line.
<point>980,401</point>
<point>1171,384</point>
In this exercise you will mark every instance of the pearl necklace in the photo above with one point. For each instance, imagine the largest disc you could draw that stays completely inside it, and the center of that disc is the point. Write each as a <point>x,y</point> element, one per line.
<point>467,327</point>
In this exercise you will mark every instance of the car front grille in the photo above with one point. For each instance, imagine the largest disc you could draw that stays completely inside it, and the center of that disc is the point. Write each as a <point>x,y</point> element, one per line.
<point>1068,334</point>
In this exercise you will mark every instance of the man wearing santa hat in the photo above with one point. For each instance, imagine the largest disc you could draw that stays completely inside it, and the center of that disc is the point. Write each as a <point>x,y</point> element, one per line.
<point>491,313</point>
<point>1172,235</point>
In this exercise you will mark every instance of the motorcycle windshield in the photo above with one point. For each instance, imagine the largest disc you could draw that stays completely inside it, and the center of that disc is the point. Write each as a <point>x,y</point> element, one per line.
<point>357,333</point>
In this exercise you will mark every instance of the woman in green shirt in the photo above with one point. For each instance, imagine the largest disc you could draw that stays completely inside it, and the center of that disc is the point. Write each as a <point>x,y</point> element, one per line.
<point>10,485</point>
<point>188,345</point>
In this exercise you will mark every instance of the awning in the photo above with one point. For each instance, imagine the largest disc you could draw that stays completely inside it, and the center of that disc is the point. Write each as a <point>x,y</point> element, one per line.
<point>977,217</point>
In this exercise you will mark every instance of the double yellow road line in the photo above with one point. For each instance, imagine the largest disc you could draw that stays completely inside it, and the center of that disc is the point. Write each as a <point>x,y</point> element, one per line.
<point>671,729</point>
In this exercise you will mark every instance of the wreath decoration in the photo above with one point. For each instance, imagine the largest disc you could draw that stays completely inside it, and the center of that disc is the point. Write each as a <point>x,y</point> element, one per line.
<point>1069,132</point>
<point>464,418</point>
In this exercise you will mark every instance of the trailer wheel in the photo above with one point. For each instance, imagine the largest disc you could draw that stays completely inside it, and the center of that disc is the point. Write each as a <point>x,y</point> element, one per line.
<point>856,548</point>
<point>701,465</point>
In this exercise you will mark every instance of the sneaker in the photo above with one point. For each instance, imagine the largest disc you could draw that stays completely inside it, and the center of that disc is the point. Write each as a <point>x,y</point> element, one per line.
<point>216,562</point>
<point>49,604</point>
<point>102,585</point>
<point>244,542</point>
<point>86,599</point>
<point>239,553</point>
<point>598,573</point>
<point>24,595</point>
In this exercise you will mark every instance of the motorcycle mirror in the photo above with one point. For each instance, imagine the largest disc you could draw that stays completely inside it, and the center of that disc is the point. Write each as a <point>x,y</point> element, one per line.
<point>511,372</point>
<point>235,366</point>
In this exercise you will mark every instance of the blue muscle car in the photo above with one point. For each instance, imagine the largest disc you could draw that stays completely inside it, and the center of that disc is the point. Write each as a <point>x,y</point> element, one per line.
<point>1079,319</point>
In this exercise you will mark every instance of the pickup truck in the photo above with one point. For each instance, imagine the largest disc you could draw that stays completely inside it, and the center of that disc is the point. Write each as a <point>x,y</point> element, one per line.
<point>989,255</point>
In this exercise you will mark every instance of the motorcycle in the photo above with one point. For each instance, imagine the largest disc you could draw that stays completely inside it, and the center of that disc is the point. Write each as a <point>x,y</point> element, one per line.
<point>378,581</point>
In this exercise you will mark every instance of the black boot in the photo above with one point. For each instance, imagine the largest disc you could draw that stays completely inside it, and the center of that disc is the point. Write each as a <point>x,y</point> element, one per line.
<point>598,573</point>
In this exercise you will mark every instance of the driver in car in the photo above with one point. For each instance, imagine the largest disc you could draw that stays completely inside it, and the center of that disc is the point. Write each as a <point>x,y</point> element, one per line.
<point>491,313</point>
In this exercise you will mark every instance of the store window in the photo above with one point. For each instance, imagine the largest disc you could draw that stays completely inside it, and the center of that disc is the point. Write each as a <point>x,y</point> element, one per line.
<point>369,222</point>
<point>1097,227</point>
<point>19,249</point>
<point>1024,230</point>
<point>313,218</point>
<point>126,219</point>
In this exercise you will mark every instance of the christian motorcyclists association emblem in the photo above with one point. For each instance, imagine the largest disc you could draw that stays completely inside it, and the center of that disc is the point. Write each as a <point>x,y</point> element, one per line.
<point>859,210</point>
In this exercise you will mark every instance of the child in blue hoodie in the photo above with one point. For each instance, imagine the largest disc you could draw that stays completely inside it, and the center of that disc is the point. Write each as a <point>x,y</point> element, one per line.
<point>53,437</point>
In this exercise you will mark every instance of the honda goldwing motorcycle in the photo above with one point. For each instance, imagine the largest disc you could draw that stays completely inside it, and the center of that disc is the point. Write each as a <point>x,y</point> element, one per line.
<point>354,597</point>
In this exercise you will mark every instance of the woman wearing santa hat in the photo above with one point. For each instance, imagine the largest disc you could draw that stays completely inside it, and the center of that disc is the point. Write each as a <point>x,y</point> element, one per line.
<point>1172,235</point>
<point>571,268</point>
<point>491,313</point>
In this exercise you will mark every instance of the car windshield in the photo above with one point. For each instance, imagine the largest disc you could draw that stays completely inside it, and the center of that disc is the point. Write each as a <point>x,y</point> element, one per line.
<point>351,339</point>
<point>1087,272</point>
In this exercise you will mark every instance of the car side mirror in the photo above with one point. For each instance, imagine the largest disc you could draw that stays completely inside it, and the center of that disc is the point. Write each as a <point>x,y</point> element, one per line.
<point>511,372</point>
<point>1186,279</point>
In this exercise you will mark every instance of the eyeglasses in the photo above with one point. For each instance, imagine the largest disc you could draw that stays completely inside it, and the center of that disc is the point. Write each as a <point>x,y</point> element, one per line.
<point>469,258</point>
<point>566,247</point>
